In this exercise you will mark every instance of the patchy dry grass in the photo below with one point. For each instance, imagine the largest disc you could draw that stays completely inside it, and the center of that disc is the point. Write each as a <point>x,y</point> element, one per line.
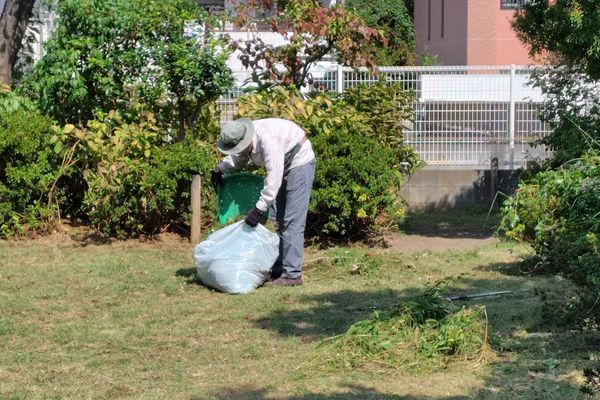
<point>129,321</point>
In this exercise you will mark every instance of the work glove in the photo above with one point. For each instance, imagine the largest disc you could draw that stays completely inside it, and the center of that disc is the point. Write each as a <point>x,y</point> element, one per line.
<point>255,216</point>
<point>216,178</point>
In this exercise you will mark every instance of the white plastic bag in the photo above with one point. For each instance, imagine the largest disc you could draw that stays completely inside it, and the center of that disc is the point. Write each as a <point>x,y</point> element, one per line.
<point>237,258</point>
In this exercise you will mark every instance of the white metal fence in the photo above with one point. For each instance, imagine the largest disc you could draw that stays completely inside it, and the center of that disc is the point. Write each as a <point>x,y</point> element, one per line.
<point>462,116</point>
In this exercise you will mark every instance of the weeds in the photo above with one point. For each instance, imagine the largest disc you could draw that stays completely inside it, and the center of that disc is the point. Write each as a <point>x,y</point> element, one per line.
<point>347,261</point>
<point>592,381</point>
<point>425,333</point>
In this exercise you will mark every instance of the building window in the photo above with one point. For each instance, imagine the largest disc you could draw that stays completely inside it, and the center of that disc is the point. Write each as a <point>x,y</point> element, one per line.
<point>512,4</point>
<point>210,5</point>
<point>443,9</point>
<point>429,20</point>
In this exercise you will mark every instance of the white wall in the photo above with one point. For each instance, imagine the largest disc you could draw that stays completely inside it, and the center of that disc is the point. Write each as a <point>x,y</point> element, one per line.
<point>478,87</point>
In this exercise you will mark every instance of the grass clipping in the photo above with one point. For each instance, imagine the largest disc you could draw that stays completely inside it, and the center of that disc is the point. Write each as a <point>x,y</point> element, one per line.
<point>425,333</point>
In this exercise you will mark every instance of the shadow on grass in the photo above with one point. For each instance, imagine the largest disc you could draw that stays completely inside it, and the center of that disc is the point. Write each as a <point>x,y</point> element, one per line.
<point>192,278</point>
<point>354,392</point>
<point>530,266</point>
<point>189,274</point>
<point>330,314</point>
<point>535,353</point>
<point>465,222</point>
<point>544,388</point>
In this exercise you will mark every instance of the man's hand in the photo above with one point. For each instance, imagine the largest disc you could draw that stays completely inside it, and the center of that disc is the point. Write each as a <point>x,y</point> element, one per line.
<point>216,178</point>
<point>255,216</point>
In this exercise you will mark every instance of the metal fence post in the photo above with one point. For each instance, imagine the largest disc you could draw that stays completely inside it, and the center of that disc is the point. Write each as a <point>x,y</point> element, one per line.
<point>511,119</point>
<point>340,78</point>
<point>493,179</point>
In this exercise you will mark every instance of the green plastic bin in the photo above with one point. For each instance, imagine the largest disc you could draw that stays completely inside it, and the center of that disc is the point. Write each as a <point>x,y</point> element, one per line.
<point>238,193</point>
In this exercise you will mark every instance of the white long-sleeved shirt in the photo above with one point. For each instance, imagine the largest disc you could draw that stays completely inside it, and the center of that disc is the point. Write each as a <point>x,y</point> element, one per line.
<point>273,137</point>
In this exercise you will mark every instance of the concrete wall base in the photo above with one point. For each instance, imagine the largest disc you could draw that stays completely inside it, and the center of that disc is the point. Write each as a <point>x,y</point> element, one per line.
<point>438,189</point>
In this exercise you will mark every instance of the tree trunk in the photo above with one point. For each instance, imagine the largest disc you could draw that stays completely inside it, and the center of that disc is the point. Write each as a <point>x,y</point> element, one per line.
<point>13,24</point>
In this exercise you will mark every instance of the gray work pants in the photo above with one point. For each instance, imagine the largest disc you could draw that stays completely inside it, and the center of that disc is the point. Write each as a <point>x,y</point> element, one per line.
<point>291,208</point>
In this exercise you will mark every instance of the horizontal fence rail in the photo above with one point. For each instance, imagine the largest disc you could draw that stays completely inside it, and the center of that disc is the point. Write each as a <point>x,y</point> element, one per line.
<point>462,116</point>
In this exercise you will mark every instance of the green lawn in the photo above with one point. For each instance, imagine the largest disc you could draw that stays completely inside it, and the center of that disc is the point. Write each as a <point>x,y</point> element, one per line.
<point>129,321</point>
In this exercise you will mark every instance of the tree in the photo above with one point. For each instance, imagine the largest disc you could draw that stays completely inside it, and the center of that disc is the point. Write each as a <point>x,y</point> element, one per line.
<point>312,32</point>
<point>569,32</point>
<point>393,19</point>
<point>555,210</point>
<point>13,24</point>
<point>569,29</point>
<point>131,56</point>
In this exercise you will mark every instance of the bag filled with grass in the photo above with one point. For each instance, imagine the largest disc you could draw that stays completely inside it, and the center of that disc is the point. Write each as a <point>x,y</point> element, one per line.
<point>237,258</point>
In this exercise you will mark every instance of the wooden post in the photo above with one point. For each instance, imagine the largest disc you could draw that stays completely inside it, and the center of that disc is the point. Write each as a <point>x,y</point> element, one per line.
<point>196,201</point>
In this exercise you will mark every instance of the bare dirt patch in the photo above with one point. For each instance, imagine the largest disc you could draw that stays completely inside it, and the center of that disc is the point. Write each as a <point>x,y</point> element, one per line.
<point>78,235</point>
<point>461,229</point>
<point>415,243</point>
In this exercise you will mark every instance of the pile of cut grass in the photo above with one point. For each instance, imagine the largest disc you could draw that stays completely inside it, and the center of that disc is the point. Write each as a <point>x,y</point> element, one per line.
<point>423,334</point>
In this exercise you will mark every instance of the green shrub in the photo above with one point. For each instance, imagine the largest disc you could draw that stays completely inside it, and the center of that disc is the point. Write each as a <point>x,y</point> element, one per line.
<point>557,212</point>
<point>351,183</point>
<point>361,157</point>
<point>131,56</point>
<point>29,168</point>
<point>137,180</point>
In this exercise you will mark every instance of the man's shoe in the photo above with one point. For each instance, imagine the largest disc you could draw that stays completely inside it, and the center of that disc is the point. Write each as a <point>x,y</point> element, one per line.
<point>287,281</point>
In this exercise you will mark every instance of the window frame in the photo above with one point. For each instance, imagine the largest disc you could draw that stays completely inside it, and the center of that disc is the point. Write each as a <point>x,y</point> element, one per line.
<point>512,4</point>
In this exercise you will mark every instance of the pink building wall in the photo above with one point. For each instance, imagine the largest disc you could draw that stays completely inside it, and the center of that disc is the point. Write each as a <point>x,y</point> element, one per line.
<point>473,32</point>
<point>509,49</point>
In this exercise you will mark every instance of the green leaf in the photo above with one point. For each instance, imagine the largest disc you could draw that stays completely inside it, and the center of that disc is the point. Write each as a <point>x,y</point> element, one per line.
<point>68,128</point>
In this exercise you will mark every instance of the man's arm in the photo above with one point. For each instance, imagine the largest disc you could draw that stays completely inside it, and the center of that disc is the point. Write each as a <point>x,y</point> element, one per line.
<point>273,154</point>
<point>231,163</point>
